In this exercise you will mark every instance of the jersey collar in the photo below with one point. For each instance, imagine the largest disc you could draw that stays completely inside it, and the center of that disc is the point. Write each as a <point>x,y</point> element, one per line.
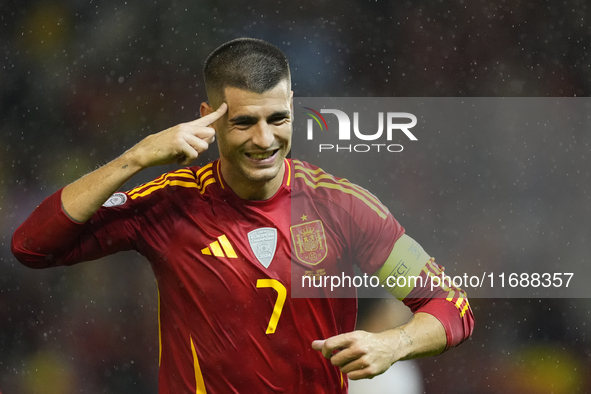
<point>285,185</point>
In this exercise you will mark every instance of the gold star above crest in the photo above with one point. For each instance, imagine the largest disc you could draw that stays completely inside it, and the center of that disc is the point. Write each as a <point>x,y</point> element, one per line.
<point>304,218</point>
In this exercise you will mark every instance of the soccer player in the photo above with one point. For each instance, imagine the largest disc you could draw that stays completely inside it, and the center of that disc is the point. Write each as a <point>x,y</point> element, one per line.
<point>224,249</point>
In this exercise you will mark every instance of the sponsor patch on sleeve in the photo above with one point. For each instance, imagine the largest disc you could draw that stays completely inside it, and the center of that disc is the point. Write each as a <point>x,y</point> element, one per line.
<point>115,200</point>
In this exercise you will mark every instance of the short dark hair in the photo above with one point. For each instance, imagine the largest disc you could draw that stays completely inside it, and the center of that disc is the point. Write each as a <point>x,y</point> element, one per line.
<point>245,63</point>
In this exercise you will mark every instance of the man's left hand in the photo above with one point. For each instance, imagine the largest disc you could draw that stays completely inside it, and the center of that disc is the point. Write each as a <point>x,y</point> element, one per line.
<point>360,354</point>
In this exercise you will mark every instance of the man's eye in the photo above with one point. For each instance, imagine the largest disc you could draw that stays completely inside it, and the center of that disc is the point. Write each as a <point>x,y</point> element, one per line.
<point>278,120</point>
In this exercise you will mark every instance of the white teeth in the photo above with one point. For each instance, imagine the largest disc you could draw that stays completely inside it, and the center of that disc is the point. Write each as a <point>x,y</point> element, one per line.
<point>261,156</point>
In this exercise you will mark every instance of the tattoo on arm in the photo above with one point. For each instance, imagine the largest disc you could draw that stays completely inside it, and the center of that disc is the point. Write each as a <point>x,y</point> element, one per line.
<point>125,166</point>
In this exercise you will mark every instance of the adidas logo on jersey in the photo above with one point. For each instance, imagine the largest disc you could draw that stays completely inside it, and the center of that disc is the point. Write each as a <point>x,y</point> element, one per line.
<point>217,249</point>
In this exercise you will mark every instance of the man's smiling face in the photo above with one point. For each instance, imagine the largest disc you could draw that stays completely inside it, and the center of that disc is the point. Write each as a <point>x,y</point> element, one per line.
<point>255,136</point>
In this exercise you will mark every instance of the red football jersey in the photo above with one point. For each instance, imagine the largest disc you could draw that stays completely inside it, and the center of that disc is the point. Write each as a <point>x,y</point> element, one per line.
<point>224,268</point>
<point>228,323</point>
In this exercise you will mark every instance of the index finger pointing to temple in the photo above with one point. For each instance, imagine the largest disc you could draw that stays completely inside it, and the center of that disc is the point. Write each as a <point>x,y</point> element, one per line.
<point>212,117</point>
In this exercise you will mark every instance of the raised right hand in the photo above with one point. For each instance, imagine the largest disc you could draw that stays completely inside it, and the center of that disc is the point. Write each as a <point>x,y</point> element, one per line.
<point>181,143</point>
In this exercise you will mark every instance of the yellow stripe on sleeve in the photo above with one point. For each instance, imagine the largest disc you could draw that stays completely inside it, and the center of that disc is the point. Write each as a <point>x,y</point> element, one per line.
<point>207,182</point>
<point>298,164</point>
<point>344,190</point>
<point>463,312</point>
<point>168,182</point>
<point>161,179</point>
<point>143,186</point>
<point>455,295</point>
<point>205,175</point>
<point>344,182</point>
<point>200,171</point>
<point>311,177</point>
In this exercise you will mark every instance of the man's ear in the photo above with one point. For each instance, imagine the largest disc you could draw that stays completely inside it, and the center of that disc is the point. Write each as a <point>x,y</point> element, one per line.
<point>205,109</point>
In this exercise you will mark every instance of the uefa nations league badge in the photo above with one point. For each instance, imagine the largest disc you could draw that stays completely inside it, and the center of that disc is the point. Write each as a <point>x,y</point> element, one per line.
<point>263,242</point>
<point>115,200</point>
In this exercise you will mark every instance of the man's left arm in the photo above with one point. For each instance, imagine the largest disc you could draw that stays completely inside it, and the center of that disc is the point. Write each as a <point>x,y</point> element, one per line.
<point>362,354</point>
<point>442,317</point>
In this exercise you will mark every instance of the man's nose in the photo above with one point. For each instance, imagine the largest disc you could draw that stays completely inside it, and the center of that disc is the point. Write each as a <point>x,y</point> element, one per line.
<point>263,135</point>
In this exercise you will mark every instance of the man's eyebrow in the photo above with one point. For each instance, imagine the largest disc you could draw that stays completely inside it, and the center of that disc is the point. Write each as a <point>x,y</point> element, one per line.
<point>254,119</point>
<point>279,114</point>
<point>243,118</point>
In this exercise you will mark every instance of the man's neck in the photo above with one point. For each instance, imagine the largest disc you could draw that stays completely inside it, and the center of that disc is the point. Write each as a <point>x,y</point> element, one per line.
<point>252,190</point>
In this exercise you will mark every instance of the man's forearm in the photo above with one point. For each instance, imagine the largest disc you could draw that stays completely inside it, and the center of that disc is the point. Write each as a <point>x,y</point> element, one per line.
<point>362,354</point>
<point>181,143</point>
<point>422,336</point>
<point>82,198</point>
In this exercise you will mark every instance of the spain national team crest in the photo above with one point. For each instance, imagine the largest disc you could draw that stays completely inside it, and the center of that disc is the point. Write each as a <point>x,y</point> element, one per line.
<point>263,242</point>
<point>309,242</point>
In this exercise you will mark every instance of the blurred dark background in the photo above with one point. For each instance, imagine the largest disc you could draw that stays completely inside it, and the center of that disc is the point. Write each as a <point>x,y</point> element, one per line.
<point>81,81</point>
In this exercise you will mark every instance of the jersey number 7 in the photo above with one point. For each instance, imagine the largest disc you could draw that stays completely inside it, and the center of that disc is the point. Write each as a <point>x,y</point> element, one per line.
<point>281,294</point>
